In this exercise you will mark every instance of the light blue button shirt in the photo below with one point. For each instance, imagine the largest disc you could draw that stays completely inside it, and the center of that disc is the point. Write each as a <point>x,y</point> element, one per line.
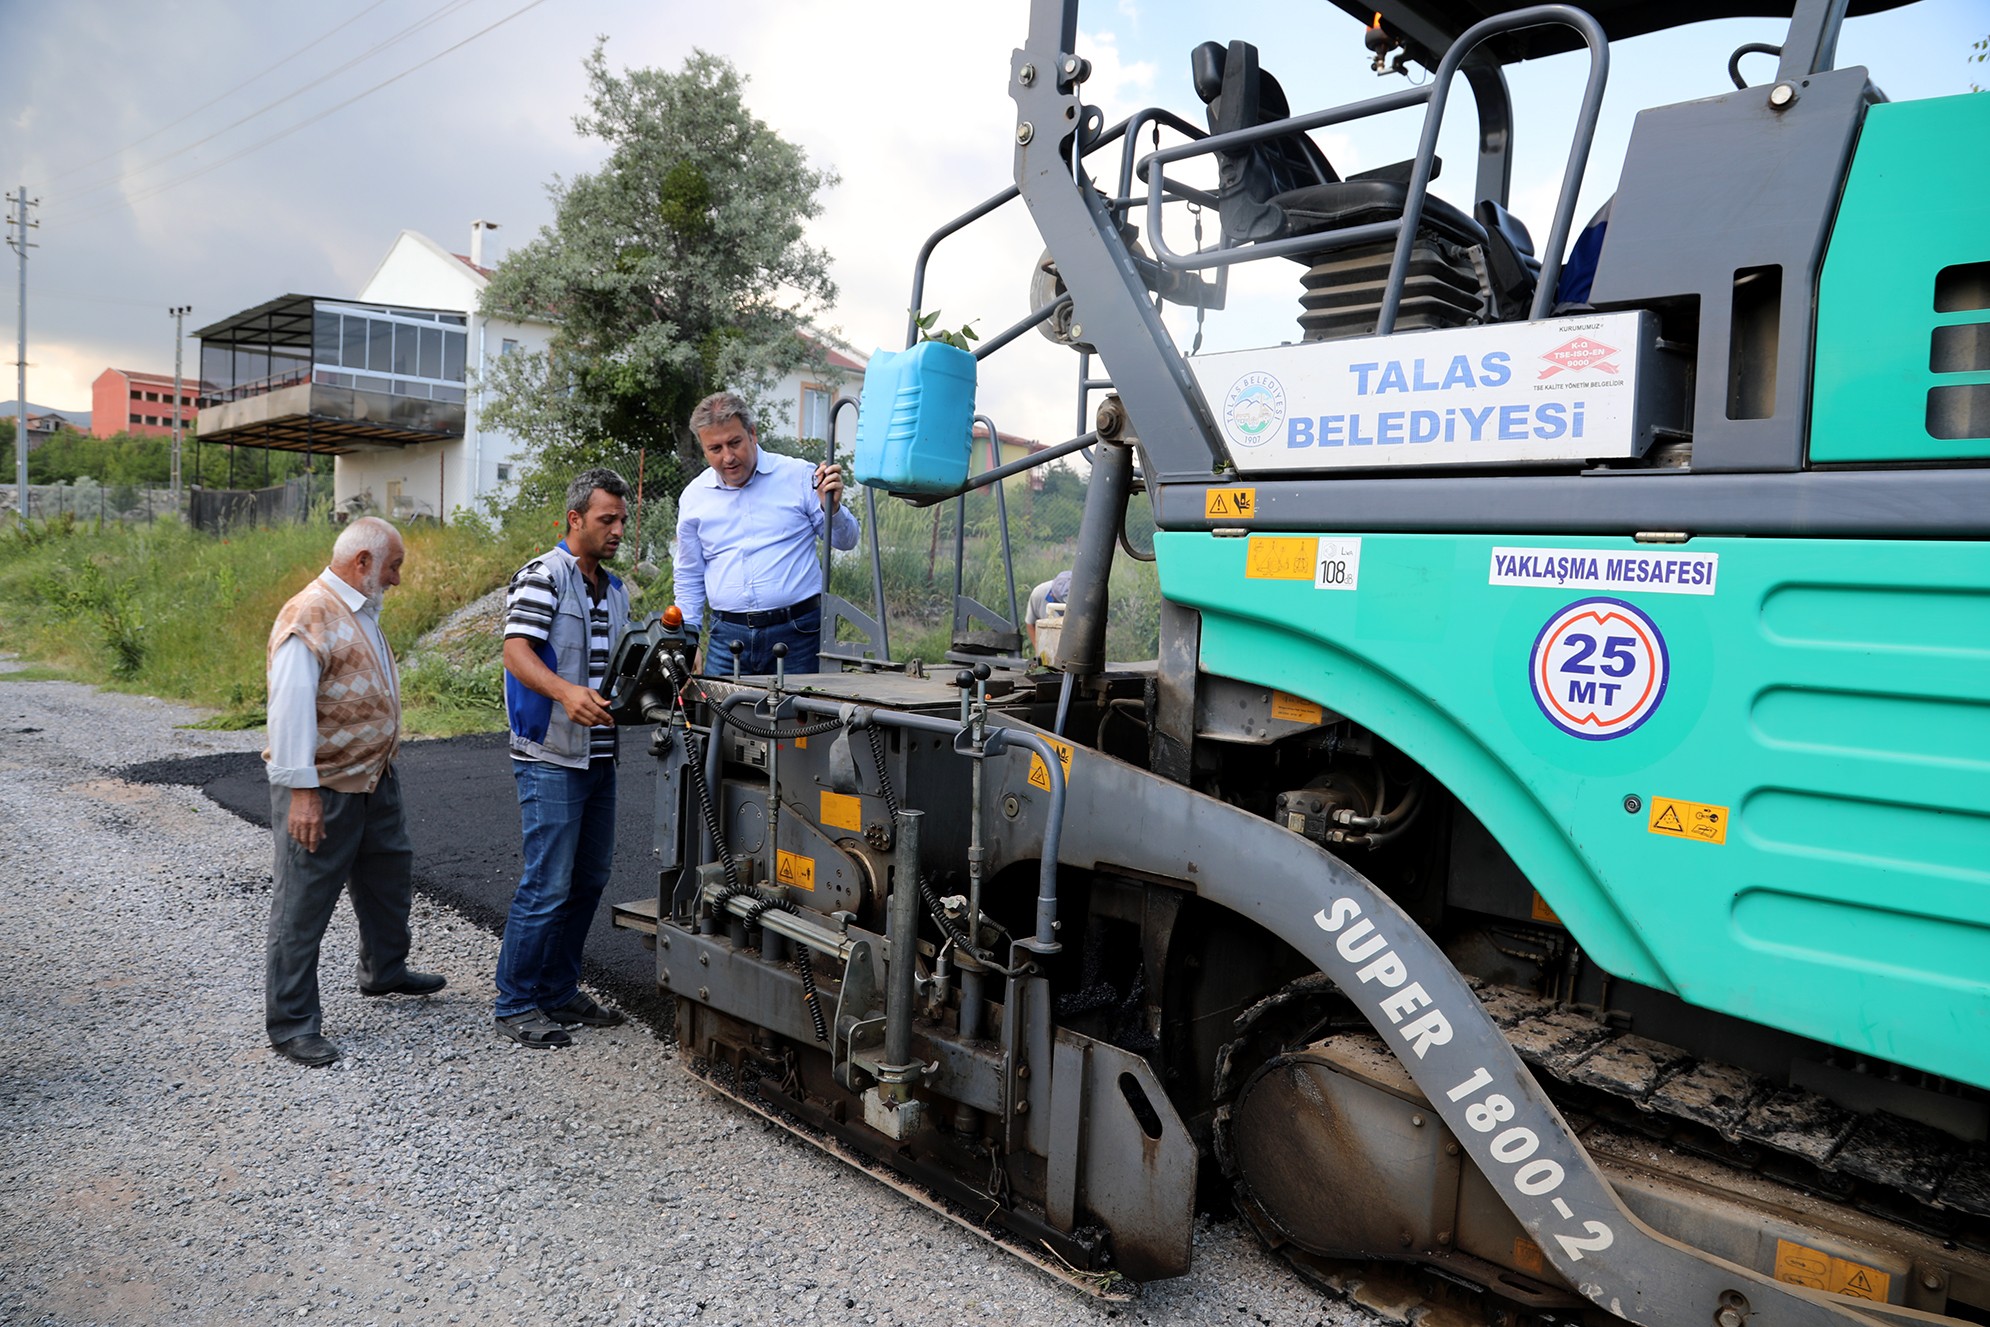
<point>752,548</point>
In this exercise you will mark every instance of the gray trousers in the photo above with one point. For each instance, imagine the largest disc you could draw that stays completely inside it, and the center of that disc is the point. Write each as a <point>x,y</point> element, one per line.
<point>366,851</point>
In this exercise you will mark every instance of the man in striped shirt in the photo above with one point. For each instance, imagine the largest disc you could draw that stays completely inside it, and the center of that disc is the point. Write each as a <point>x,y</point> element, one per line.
<point>563,614</point>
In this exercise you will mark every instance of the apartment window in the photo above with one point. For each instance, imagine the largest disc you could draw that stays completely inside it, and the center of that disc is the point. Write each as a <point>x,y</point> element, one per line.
<point>510,347</point>
<point>814,419</point>
<point>504,474</point>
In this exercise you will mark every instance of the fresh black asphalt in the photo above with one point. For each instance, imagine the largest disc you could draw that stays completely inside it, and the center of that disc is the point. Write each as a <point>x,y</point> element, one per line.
<point>462,810</point>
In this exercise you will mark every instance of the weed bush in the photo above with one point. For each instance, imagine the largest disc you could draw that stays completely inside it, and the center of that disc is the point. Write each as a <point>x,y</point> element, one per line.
<point>169,611</point>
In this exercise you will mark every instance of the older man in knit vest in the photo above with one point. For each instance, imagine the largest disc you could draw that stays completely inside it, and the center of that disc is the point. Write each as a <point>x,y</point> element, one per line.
<point>335,800</point>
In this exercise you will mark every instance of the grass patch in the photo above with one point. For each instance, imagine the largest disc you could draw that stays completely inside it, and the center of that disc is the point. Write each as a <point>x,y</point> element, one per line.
<point>443,699</point>
<point>37,673</point>
<point>167,611</point>
<point>229,723</point>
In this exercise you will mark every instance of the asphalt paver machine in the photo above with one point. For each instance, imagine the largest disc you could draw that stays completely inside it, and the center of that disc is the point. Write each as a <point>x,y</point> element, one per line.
<point>1548,861</point>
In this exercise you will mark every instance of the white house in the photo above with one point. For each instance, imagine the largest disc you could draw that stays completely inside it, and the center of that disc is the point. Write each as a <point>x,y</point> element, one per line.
<point>388,383</point>
<point>438,477</point>
<point>383,382</point>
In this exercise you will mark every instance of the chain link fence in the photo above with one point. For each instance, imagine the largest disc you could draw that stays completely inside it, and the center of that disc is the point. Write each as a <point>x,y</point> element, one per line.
<point>87,500</point>
<point>211,509</point>
<point>928,555</point>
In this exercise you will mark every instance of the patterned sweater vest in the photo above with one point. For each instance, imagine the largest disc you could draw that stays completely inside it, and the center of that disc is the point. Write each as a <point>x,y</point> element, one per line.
<point>359,719</point>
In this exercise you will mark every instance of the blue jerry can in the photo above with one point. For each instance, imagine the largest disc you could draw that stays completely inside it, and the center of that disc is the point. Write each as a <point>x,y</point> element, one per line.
<point>915,422</point>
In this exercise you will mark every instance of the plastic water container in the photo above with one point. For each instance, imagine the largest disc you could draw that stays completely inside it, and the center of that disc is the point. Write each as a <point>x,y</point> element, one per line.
<point>915,422</point>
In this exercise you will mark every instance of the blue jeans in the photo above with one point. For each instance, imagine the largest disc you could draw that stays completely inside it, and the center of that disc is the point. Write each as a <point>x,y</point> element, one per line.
<point>568,816</point>
<point>802,636</point>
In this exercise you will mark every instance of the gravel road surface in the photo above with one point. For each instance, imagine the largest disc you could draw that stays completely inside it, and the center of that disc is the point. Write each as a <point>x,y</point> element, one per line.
<point>164,1166</point>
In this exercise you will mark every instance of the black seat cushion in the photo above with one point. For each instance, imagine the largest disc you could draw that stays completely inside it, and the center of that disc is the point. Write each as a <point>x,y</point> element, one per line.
<point>1320,207</point>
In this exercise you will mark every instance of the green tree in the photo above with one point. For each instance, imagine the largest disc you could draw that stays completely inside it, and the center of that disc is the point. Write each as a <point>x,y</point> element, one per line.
<point>678,268</point>
<point>123,458</point>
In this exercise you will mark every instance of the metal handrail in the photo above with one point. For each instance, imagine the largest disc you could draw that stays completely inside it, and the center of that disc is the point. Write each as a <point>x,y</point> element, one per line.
<point>1156,182</point>
<point>1585,134</point>
<point>1433,96</point>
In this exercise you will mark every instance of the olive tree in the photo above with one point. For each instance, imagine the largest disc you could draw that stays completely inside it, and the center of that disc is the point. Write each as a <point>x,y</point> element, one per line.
<point>677,268</point>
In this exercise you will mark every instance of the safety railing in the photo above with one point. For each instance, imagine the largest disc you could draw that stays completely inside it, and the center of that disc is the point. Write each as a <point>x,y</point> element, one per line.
<point>1433,96</point>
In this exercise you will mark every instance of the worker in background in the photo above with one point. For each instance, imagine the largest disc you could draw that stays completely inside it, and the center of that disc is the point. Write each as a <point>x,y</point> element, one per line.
<point>563,614</point>
<point>335,799</point>
<point>746,554</point>
<point>1043,619</point>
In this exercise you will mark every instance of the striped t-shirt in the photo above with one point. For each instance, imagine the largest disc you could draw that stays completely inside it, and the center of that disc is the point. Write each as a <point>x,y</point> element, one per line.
<point>528,612</point>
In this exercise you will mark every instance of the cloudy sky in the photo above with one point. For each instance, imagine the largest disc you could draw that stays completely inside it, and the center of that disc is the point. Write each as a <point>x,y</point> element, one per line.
<point>219,153</point>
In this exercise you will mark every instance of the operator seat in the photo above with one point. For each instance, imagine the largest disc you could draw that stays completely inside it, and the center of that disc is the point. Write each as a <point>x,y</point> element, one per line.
<point>1284,186</point>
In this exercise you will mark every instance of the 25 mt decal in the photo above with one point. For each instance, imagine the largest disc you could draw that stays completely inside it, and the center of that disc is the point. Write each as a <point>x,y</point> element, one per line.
<point>1598,669</point>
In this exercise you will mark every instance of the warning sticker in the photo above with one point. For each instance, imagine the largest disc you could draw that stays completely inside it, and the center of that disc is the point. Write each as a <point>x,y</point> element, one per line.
<point>791,868</point>
<point>1231,504</point>
<point>1295,710</point>
<point>841,811</point>
<point>1598,669</point>
<point>1688,820</point>
<point>1040,776</point>
<point>1542,912</point>
<point>1800,1266</point>
<point>1278,559</point>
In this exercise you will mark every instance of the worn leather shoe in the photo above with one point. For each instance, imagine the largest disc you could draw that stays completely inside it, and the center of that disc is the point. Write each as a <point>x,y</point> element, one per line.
<point>411,983</point>
<point>309,1048</point>
<point>583,1009</point>
<point>534,1030</point>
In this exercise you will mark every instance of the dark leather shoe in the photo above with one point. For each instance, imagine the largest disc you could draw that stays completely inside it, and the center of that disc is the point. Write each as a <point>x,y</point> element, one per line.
<point>534,1030</point>
<point>412,983</point>
<point>310,1048</point>
<point>582,1009</point>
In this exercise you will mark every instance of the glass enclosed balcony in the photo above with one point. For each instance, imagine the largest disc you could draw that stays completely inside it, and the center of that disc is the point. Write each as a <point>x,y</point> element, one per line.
<point>305,373</point>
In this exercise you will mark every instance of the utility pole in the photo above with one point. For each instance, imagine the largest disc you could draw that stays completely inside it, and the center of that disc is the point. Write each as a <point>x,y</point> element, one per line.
<point>179,316</point>
<point>18,241</point>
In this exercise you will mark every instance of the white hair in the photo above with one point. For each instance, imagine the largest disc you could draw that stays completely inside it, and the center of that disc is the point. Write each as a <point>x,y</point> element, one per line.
<point>368,534</point>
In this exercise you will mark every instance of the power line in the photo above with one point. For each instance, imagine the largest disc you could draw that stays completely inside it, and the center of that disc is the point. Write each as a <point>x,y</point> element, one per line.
<point>285,133</point>
<point>311,45</point>
<point>448,8</point>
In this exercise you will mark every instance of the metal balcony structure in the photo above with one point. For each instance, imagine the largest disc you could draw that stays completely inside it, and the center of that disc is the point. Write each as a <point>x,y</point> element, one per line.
<point>316,374</point>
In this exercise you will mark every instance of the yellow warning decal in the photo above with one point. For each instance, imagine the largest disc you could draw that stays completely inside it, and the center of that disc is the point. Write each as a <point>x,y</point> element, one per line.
<point>1040,776</point>
<point>791,868</point>
<point>1672,818</point>
<point>1542,912</point>
<point>841,811</point>
<point>1817,1270</point>
<point>801,744</point>
<point>1527,1256</point>
<point>1278,559</point>
<point>1293,709</point>
<point>1234,504</point>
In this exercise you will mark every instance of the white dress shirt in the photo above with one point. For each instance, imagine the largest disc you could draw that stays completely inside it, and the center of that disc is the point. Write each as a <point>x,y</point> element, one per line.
<point>752,548</point>
<point>293,692</point>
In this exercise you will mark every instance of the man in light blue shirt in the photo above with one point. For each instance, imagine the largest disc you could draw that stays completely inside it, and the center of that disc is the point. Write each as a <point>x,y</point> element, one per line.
<point>746,532</point>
